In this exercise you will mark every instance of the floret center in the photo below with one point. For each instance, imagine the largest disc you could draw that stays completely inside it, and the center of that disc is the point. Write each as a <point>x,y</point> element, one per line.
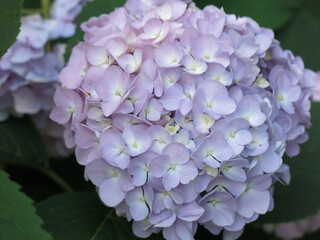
<point>215,202</point>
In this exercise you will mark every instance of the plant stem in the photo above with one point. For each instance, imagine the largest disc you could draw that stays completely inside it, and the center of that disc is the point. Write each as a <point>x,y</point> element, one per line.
<point>31,11</point>
<point>58,180</point>
<point>46,14</point>
<point>45,8</point>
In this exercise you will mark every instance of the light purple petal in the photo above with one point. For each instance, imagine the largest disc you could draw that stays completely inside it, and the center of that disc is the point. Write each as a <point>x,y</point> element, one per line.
<point>110,192</point>
<point>177,153</point>
<point>168,55</point>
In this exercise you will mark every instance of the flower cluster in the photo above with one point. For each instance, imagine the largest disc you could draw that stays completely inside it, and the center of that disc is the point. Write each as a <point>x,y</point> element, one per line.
<point>28,72</point>
<point>181,116</point>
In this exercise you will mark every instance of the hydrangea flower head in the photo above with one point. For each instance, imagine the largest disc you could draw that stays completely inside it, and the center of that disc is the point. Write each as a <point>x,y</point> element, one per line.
<point>185,115</point>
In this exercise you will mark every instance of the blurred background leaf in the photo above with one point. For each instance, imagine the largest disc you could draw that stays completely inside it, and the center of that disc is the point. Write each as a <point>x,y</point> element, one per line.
<point>18,218</point>
<point>21,144</point>
<point>10,16</point>
<point>312,7</point>
<point>302,37</point>
<point>32,4</point>
<point>313,236</point>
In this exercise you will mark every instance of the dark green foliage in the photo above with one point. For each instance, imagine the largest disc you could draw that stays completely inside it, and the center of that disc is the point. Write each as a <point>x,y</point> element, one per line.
<point>82,216</point>
<point>10,15</point>
<point>21,144</point>
<point>18,218</point>
<point>302,37</point>
<point>32,4</point>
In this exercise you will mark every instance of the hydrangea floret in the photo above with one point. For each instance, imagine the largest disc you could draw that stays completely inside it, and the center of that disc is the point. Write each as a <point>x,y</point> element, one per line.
<point>181,116</point>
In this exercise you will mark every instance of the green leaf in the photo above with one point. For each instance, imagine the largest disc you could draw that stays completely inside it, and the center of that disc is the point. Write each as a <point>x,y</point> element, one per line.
<point>268,13</point>
<point>18,218</point>
<point>81,216</point>
<point>302,36</point>
<point>313,6</point>
<point>92,9</point>
<point>21,144</point>
<point>302,197</point>
<point>10,16</point>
